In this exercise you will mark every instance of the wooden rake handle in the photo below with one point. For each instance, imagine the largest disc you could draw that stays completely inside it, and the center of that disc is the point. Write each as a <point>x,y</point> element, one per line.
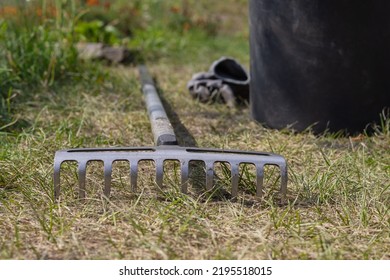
<point>161,127</point>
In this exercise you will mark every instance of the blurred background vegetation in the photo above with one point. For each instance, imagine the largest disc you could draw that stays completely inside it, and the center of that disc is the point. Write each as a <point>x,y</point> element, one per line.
<point>38,38</point>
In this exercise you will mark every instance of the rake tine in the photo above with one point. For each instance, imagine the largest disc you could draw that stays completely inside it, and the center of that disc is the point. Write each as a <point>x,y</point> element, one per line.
<point>209,175</point>
<point>184,176</point>
<point>259,179</point>
<point>133,175</point>
<point>82,166</point>
<point>159,172</point>
<point>284,176</point>
<point>57,168</point>
<point>107,177</point>
<point>235,177</point>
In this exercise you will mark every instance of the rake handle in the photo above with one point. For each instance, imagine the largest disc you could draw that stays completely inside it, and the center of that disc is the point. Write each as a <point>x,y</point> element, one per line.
<point>161,127</point>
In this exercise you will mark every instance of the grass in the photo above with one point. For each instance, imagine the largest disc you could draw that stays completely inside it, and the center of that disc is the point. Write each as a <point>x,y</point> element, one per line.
<point>339,187</point>
<point>37,51</point>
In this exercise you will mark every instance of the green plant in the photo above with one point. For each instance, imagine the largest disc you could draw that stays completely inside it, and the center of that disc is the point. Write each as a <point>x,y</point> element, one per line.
<point>97,31</point>
<point>38,55</point>
<point>37,51</point>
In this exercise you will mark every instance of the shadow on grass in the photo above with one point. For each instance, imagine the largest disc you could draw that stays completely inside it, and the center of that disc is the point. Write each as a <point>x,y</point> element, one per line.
<point>182,133</point>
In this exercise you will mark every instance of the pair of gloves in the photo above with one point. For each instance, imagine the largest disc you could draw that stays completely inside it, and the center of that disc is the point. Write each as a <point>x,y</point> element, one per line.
<point>225,81</point>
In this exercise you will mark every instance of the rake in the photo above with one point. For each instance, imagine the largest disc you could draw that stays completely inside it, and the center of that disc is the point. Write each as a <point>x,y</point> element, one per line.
<point>167,149</point>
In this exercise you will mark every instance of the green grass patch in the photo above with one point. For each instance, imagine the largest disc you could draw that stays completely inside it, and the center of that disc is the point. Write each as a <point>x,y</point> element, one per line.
<point>37,50</point>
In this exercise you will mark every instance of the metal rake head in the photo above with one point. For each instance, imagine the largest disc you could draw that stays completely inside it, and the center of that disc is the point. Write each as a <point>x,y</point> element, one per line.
<point>159,155</point>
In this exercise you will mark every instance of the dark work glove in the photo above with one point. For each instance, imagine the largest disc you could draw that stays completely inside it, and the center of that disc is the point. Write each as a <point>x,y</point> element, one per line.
<point>226,80</point>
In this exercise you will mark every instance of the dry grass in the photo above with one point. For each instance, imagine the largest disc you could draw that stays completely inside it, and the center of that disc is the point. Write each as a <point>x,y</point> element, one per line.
<point>339,192</point>
<point>339,187</point>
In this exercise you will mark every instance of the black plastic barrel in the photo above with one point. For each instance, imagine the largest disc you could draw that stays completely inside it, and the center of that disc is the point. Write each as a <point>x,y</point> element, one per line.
<point>319,62</point>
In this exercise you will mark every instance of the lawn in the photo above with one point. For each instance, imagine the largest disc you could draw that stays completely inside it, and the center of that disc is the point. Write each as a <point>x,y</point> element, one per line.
<point>338,189</point>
